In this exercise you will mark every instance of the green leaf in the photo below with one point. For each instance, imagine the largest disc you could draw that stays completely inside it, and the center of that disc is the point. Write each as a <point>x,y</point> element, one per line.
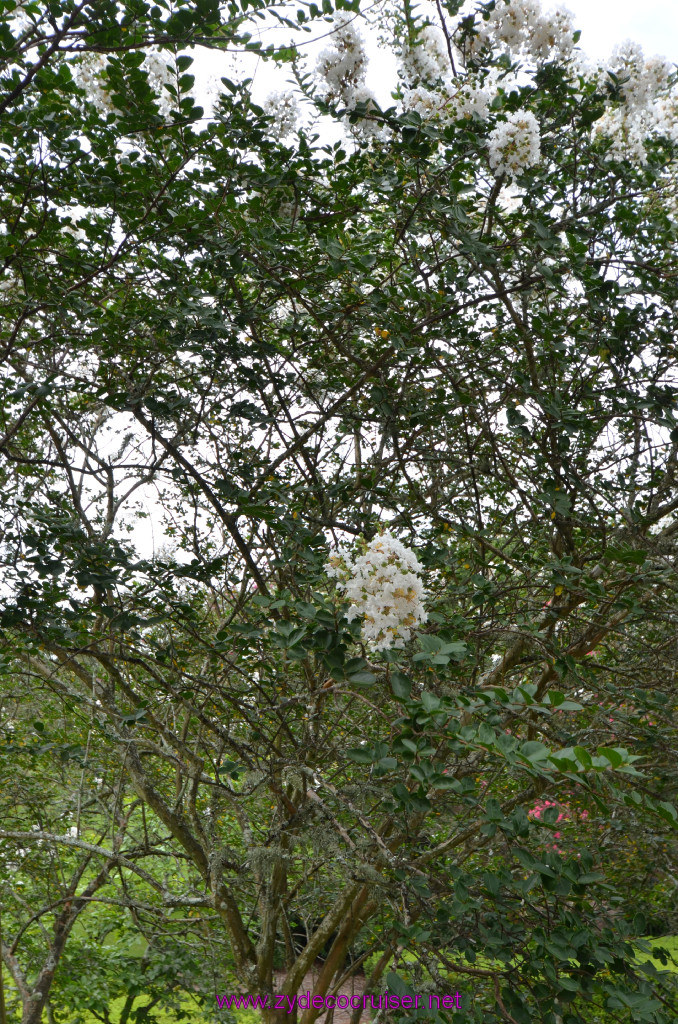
<point>361,755</point>
<point>583,757</point>
<point>135,716</point>
<point>430,701</point>
<point>613,756</point>
<point>389,763</point>
<point>534,751</point>
<point>363,678</point>
<point>401,685</point>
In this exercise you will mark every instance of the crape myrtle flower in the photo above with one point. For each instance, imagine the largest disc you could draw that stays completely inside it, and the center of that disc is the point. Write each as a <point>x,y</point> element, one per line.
<point>514,144</point>
<point>344,65</point>
<point>283,107</point>
<point>427,59</point>
<point>455,102</point>
<point>522,28</point>
<point>384,587</point>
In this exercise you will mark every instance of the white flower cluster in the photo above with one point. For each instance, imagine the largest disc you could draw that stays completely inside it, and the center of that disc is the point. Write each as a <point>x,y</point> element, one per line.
<point>667,117</point>
<point>89,74</point>
<point>283,107</point>
<point>647,109</point>
<point>428,103</point>
<point>431,90</point>
<point>640,81</point>
<point>385,589</point>
<point>343,67</point>
<point>425,102</point>
<point>625,135</point>
<point>426,61</point>
<point>523,28</point>
<point>160,74</point>
<point>510,198</point>
<point>469,99</point>
<point>367,127</point>
<point>514,144</point>
<point>457,103</point>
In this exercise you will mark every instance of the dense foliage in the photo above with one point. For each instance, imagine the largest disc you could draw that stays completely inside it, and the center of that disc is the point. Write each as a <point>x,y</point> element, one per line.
<point>234,356</point>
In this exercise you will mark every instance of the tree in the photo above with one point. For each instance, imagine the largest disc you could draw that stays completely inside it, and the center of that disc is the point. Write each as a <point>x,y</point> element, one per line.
<point>457,326</point>
<point>74,905</point>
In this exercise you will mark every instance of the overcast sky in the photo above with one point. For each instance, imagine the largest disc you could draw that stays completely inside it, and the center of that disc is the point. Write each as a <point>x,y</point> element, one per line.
<point>652,23</point>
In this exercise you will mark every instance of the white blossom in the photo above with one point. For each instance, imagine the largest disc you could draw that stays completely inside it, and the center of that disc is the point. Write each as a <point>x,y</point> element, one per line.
<point>367,127</point>
<point>425,102</point>
<point>89,74</point>
<point>343,66</point>
<point>521,27</point>
<point>667,117</point>
<point>625,135</point>
<point>284,108</point>
<point>553,36</point>
<point>385,590</point>
<point>514,144</point>
<point>512,21</point>
<point>455,103</point>
<point>427,60</point>
<point>641,81</point>
<point>509,200</point>
<point>648,107</point>
<point>160,74</point>
<point>468,100</point>
<point>361,94</point>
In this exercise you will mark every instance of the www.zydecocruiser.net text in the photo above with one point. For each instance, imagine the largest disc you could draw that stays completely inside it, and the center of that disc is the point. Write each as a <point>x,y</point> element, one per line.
<point>387,1001</point>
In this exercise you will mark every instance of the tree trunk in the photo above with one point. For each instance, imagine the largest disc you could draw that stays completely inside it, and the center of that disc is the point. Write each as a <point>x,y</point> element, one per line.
<point>273,1016</point>
<point>33,1007</point>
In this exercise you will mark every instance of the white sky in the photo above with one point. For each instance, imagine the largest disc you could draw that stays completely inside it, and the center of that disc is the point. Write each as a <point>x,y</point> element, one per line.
<point>652,23</point>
